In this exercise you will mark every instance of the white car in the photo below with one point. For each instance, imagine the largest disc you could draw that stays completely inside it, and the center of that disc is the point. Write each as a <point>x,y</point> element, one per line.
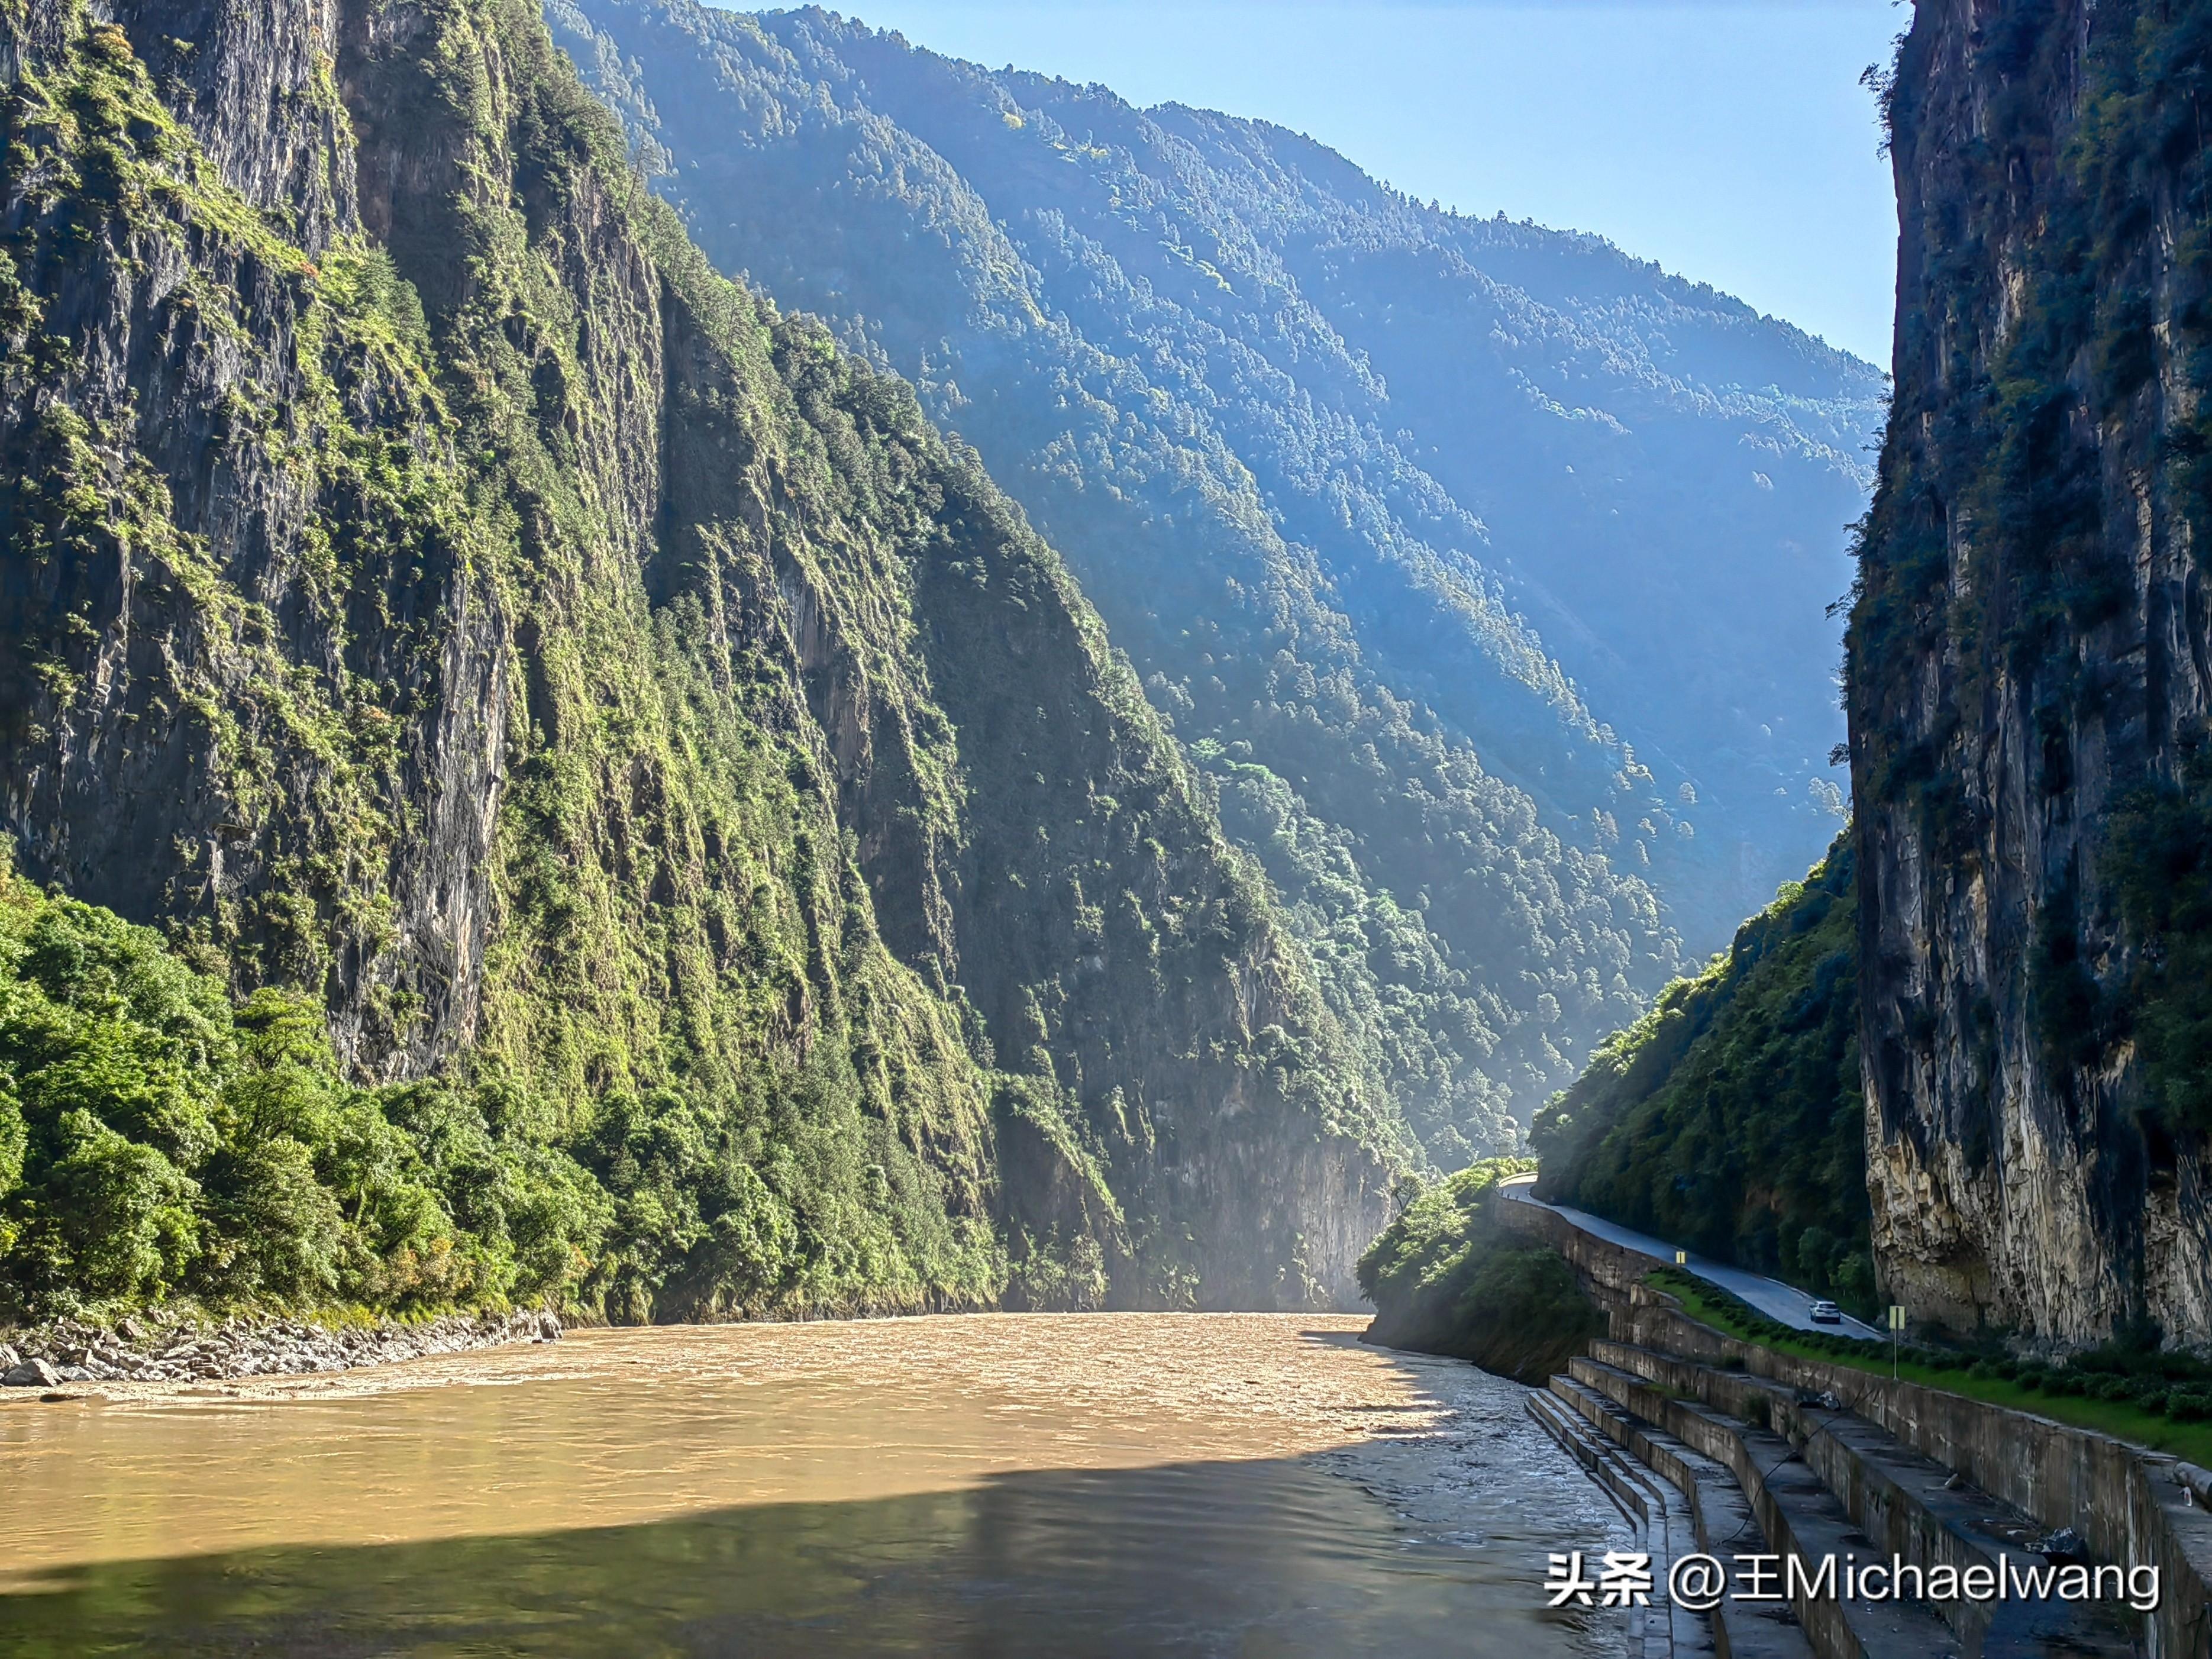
<point>1824,1312</point>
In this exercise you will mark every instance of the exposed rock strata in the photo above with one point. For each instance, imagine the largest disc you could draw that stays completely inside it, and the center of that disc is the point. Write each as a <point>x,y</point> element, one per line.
<point>2031,660</point>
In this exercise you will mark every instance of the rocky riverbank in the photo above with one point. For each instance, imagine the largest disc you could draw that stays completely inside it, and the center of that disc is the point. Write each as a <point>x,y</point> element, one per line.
<point>153,1348</point>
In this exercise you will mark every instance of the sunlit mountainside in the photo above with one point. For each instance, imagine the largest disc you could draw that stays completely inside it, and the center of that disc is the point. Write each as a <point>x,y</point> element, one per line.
<point>1484,568</point>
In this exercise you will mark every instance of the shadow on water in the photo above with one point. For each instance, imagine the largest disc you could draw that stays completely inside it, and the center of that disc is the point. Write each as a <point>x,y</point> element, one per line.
<point>1264,1558</point>
<point>1281,1556</point>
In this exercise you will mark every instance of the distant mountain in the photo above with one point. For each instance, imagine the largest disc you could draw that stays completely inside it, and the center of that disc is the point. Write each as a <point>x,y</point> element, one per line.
<point>1482,567</point>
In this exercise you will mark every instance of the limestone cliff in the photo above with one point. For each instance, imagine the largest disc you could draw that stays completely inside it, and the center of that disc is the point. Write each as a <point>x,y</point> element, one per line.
<point>429,585</point>
<point>2030,676</point>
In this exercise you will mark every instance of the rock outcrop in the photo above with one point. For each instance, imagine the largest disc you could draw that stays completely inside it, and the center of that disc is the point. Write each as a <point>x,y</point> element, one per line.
<point>171,1350</point>
<point>2031,679</point>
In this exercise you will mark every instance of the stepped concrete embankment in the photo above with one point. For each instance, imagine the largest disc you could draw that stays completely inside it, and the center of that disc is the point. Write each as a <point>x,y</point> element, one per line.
<point>2131,1505</point>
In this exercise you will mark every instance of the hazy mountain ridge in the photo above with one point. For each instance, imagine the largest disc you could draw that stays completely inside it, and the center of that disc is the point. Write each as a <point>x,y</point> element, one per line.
<point>1285,425</point>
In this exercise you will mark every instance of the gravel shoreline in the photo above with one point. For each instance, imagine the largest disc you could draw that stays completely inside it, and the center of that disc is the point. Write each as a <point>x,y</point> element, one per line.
<point>152,1349</point>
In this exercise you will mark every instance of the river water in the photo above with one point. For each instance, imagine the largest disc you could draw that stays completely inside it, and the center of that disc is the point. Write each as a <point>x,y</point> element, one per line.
<point>1009,1485</point>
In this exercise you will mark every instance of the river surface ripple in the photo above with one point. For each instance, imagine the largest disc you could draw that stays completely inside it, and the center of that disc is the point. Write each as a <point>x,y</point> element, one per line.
<point>989,1485</point>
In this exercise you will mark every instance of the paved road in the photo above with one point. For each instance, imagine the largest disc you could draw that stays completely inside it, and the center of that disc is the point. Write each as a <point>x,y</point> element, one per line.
<point>1770,1296</point>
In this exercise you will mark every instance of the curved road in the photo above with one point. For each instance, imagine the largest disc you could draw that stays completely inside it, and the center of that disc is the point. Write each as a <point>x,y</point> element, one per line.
<point>1770,1296</point>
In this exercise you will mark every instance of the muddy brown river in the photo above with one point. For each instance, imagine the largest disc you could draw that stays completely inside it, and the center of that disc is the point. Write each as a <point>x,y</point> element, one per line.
<point>1108,1485</point>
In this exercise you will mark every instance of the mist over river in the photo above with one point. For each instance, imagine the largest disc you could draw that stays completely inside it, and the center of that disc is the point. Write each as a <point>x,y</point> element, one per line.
<point>1212,1483</point>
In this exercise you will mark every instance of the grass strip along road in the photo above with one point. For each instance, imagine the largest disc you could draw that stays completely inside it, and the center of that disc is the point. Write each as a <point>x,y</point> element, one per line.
<point>2162,1401</point>
<point>2133,1391</point>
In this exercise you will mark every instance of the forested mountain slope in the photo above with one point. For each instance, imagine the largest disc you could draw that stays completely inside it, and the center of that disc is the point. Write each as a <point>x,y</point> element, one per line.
<point>1730,1118</point>
<point>723,866</point>
<point>2030,676</point>
<point>1483,568</point>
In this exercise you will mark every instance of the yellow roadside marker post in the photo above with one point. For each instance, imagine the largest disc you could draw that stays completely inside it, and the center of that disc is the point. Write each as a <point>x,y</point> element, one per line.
<point>1896,1325</point>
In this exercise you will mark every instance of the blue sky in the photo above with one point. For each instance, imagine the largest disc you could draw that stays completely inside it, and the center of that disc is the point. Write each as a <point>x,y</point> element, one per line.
<point>1728,139</point>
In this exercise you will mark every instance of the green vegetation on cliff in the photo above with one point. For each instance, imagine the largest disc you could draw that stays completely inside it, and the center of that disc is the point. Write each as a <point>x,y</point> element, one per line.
<point>155,1142</point>
<point>2009,465</point>
<point>2161,877</point>
<point>1327,459</point>
<point>734,871</point>
<point>1444,1277</point>
<point>1730,1119</point>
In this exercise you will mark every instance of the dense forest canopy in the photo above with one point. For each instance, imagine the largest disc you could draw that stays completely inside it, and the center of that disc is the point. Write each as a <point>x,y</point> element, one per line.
<point>1481,568</point>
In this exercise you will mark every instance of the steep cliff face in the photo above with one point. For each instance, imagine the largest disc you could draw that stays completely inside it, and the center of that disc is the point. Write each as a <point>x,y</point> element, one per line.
<point>2030,676</point>
<point>429,585</point>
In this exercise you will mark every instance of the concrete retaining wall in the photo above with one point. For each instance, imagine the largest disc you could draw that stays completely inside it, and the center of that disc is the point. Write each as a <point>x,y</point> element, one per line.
<point>2126,1501</point>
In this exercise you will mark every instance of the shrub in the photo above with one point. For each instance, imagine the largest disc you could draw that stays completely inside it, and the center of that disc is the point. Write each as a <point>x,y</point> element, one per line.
<point>153,1142</point>
<point>117,1220</point>
<point>2189,1405</point>
<point>1444,1278</point>
<point>279,1229</point>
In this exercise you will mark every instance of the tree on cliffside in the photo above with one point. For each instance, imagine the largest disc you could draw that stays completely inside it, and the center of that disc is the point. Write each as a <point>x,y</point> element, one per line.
<point>1731,1119</point>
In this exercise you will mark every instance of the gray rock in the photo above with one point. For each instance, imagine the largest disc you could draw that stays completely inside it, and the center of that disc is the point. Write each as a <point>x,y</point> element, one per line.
<point>548,1327</point>
<point>75,1374</point>
<point>9,1357</point>
<point>31,1374</point>
<point>1961,923</point>
<point>2064,1545</point>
